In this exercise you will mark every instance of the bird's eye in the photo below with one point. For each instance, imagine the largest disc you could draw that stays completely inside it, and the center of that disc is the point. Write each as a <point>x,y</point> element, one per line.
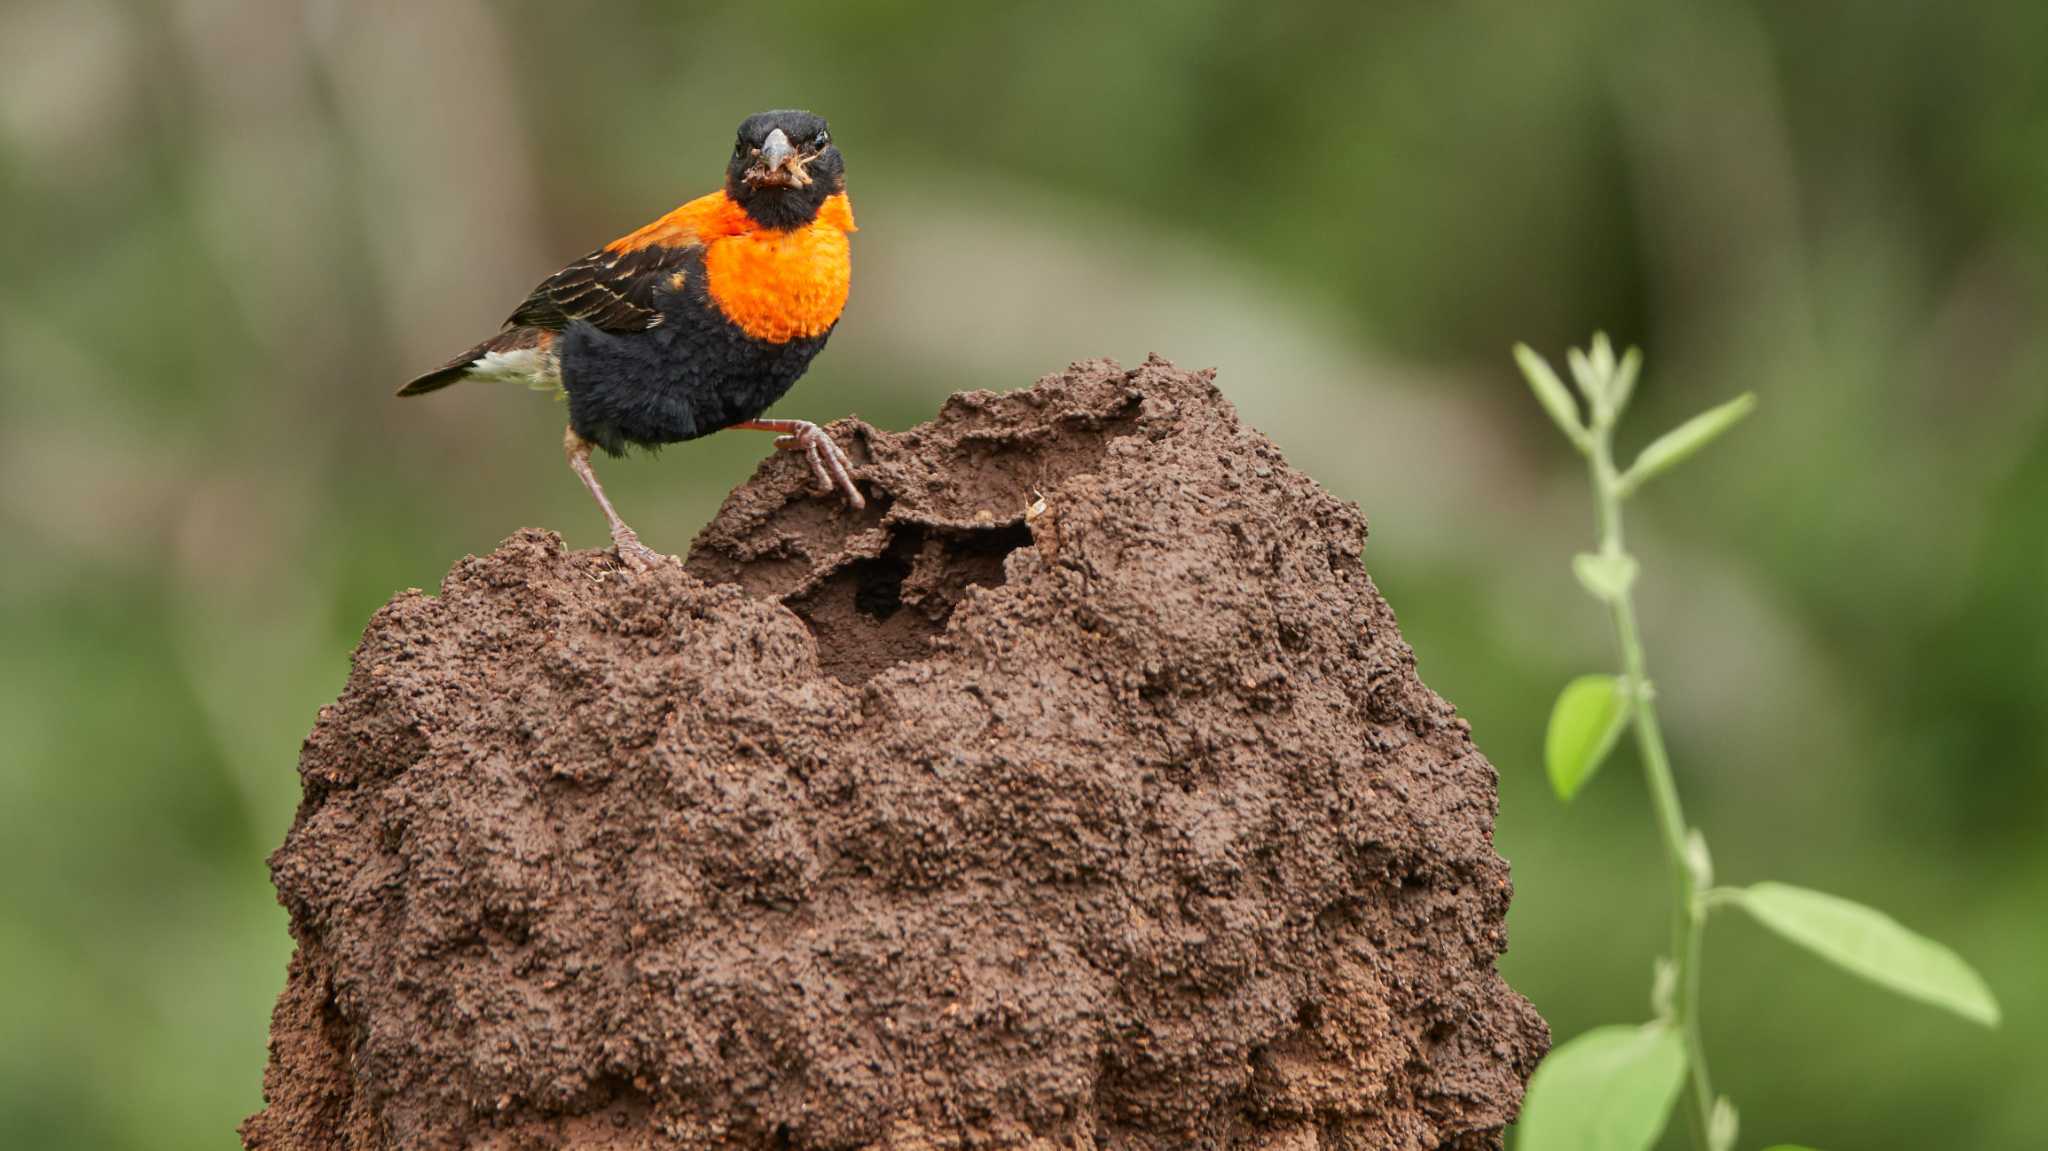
<point>821,139</point>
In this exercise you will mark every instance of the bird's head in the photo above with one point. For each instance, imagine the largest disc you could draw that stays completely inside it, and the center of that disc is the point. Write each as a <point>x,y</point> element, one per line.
<point>783,168</point>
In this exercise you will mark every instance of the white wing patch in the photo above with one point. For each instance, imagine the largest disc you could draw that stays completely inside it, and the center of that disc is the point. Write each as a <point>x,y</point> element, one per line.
<point>537,368</point>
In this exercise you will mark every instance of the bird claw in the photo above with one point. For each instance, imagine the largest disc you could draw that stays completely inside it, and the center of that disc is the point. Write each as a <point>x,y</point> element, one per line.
<point>829,464</point>
<point>635,555</point>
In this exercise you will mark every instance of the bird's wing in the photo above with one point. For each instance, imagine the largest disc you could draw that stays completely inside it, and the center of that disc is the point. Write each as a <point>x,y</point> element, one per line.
<point>612,288</point>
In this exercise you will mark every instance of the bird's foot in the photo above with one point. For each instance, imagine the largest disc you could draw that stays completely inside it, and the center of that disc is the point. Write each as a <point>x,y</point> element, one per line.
<point>634,554</point>
<point>829,465</point>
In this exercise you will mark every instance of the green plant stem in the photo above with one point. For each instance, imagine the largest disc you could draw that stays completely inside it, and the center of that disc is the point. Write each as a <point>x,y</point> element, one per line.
<point>1688,919</point>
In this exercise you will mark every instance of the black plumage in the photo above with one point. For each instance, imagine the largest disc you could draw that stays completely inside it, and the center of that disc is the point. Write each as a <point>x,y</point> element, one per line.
<point>687,375</point>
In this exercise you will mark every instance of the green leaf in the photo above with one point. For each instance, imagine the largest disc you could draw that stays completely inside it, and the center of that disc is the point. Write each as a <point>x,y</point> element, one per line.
<point>1667,450</point>
<point>1723,1124</point>
<point>1608,576</point>
<point>1787,1147</point>
<point>1551,393</point>
<point>1664,989</point>
<point>1698,860</point>
<point>1603,357</point>
<point>1592,384</point>
<point>1871,944</point>
<point>1623,384</point>
<point>1610,1089</point>
<point>1605,383</point>
<point>1589,717</point>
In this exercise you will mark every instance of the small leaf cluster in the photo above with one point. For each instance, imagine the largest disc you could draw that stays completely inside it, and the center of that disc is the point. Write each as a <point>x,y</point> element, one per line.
<point>1607,385</point>
<point>1613,1088</point>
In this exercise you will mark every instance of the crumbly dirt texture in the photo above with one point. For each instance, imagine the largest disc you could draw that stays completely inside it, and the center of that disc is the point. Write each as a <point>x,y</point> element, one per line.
<point>1079,793</point>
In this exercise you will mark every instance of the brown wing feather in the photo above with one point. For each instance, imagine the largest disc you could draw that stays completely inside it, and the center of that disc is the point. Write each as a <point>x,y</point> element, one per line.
<point>611,289</point>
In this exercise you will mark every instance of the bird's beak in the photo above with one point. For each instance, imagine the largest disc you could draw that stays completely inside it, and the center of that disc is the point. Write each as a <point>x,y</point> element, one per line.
<point>777,164</point>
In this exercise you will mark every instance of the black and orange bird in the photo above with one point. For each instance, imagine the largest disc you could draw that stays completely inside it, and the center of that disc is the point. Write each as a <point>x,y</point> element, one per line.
<point>696,322</point>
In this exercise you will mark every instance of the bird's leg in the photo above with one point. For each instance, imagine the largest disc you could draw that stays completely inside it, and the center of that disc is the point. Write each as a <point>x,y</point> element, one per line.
<point>632,552</point>
<point>828,463</point>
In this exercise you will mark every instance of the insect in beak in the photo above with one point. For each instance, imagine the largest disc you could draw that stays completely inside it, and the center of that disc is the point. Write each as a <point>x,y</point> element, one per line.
<point>777,164</point>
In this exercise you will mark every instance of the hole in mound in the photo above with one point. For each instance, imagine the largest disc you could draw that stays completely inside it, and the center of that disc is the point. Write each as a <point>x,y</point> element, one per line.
<point>878,585</point>
<point>878,612</point>
<point>985,454</point>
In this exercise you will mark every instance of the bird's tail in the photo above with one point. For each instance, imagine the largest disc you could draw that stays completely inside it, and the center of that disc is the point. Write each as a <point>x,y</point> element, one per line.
<point>439,378</point>
<point>516,353</point>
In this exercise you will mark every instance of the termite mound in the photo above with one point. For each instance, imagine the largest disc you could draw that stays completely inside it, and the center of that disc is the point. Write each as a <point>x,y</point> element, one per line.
<point>1078,793</point>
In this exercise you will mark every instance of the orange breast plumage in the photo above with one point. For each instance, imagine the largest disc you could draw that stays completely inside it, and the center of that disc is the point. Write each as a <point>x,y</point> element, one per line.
<point>784,285</point>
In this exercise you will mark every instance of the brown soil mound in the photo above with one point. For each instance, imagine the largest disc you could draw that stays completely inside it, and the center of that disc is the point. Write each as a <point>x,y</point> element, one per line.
<point>959,822</point>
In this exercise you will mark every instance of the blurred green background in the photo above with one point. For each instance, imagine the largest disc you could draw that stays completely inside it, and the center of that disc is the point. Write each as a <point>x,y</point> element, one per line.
<point>231,227</point>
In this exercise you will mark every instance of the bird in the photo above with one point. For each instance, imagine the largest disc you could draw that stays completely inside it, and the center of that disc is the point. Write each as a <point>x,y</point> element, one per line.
<point>695,323</point>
